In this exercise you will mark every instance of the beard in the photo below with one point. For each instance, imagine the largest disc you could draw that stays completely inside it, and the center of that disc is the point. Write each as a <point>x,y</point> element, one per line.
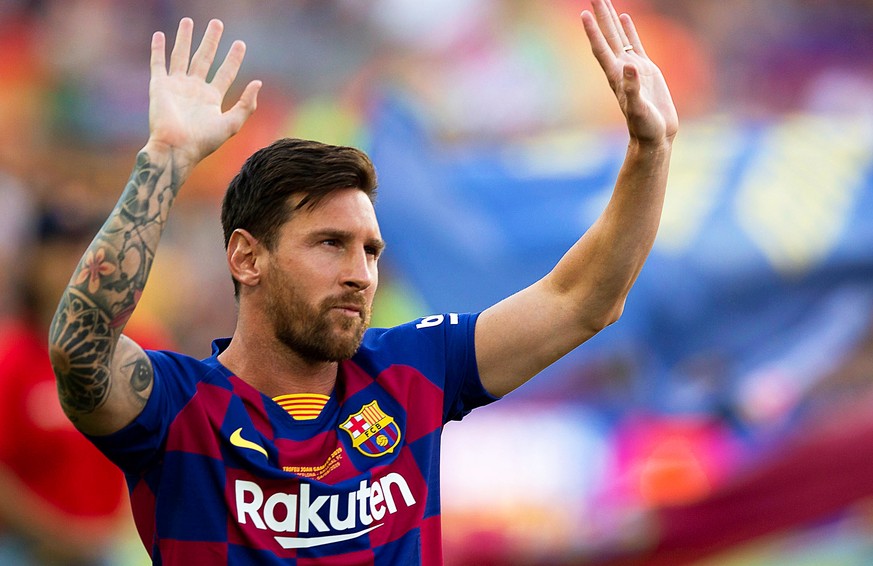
<point>317,333</point>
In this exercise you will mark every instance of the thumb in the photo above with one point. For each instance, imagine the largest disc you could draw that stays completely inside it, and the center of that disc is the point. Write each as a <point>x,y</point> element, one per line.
<point>245,106</point>
<point>631,82</point>
<point>635,108</point>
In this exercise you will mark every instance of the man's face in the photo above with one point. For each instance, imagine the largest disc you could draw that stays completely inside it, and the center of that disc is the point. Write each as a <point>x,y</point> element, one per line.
<point>323,275</point>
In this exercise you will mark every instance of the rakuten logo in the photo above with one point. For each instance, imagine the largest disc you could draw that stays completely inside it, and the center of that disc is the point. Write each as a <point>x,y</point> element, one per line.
<point>289,513</point>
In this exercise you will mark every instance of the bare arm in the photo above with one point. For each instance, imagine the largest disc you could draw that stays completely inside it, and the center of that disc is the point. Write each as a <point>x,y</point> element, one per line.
<point>523,334</point>
<point>104,378</point>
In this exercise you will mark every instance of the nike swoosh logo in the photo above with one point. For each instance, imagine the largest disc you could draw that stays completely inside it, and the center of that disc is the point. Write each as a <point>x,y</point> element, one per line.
<point>237,440</point>
<point>310,542</point>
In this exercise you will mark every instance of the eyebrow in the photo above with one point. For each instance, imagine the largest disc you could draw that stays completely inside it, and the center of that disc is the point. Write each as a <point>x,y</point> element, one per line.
<point>377,243</point>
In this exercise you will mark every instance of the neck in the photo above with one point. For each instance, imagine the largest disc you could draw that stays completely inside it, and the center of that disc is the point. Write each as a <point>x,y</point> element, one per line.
<point>273,369</point>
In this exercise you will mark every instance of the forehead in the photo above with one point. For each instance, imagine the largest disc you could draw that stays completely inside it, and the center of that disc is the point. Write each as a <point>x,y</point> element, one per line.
<point>346,209</point>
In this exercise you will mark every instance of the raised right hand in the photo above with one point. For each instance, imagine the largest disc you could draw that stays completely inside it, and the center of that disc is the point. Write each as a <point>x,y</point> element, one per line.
<point>185,111</point>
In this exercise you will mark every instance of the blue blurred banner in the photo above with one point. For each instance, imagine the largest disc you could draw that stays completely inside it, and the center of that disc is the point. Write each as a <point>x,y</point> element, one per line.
<point>759,283</point>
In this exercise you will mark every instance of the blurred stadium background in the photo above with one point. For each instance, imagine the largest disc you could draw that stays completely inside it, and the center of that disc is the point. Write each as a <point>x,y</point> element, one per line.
<point>726,419</point>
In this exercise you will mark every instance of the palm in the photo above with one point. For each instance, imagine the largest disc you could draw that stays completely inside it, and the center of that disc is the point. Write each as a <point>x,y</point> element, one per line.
<point>183,113</point>
<point>651,115</point>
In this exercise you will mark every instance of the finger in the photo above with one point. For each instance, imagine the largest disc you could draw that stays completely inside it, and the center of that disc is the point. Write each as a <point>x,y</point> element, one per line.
<point>247,103</point>
<point>202,60</point>
<point>617,23</point>
<point>226,73</point>
<point>158,63</point>
<point>607,24</point>
<point>182,47</point>
<point>599,46</point>
<point>632,35</point>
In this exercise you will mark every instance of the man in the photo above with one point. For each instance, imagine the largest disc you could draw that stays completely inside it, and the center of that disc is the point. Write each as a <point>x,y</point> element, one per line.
<point>308,438</point>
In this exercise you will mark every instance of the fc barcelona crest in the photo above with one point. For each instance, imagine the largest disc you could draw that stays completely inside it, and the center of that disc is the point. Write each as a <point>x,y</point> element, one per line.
<point>373,432</point>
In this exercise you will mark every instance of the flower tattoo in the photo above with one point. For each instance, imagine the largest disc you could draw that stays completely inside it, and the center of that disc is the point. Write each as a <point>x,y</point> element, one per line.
<point>95,267</point>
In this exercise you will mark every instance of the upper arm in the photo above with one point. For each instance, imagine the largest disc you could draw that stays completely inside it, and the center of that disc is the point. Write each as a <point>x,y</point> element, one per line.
<point>101,399</point>
<point>523,334</point>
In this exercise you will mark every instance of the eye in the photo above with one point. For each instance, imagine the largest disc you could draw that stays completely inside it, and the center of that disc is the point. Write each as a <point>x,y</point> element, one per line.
<point>372,250</point>
<point>332,242</point>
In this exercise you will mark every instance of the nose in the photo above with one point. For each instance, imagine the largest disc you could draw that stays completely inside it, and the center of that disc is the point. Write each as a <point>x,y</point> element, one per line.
<point>360,270</point>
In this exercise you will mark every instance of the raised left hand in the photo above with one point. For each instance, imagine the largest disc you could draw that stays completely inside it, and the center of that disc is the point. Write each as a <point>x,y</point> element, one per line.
<point>638,84</point>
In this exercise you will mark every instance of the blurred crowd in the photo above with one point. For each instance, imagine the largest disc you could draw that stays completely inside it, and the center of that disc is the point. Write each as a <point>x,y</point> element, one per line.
<point>74,111</point>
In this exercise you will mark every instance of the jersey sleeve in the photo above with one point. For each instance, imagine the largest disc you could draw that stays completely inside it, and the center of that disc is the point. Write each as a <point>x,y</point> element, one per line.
<point>463,389</point>
<point>139,444</point>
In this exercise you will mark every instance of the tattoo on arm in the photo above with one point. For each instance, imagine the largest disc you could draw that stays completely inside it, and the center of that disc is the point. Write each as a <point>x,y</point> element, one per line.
<point>80,341</point>
<point>105,289</point>
<point>141,377</point>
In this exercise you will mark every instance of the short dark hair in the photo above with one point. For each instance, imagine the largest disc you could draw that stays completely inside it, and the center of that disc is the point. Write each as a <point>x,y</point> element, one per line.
<point>258,198</point>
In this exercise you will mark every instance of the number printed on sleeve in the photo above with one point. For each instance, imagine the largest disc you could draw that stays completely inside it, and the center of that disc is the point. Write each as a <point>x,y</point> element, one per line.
<point>436,320</point>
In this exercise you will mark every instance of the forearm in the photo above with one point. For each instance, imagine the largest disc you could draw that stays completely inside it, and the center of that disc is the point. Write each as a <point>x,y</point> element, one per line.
<point>597,273</point>
<point>109,280</point>
<point>586,290</point>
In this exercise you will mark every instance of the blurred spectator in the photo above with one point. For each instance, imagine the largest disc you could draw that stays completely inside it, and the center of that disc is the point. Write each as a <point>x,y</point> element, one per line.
<point>15,218</point>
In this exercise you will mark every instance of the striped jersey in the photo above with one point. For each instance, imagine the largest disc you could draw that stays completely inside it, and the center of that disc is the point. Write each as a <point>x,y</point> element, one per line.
<point>219,473</point>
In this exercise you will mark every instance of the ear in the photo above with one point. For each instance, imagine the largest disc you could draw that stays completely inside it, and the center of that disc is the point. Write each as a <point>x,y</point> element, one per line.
<point>243,252</point>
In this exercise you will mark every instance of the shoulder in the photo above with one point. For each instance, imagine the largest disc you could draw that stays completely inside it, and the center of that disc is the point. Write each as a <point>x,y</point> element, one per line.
<point>186,363</point>
<point>423,342</point>
<point>179,374</point>
<point>433,328</point>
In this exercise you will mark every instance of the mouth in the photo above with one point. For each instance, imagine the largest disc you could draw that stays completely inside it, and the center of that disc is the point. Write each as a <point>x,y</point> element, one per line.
<point>348,310</point>
<point>349,307</point>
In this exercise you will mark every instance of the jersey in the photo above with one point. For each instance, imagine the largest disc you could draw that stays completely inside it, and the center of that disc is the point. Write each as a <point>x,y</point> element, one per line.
<point>220,473</point>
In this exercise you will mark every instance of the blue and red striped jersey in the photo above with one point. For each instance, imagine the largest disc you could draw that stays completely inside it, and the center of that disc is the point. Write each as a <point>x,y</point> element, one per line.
<point>220,473</point>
